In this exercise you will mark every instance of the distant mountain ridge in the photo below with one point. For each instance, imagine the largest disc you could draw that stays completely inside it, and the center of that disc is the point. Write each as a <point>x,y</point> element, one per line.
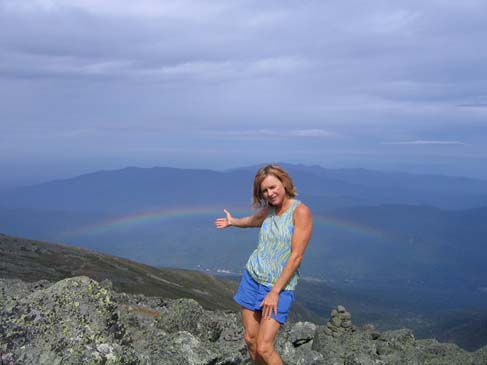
<point>128,189</point>
<point>349,205</point>
<point>136,189</point>
<point>372,233</point>
<point>371,187</point>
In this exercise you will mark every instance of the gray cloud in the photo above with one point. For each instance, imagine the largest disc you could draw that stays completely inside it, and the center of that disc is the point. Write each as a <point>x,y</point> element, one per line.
<point>264,134</point>
<point>423,142</point>
<point>339,76</point>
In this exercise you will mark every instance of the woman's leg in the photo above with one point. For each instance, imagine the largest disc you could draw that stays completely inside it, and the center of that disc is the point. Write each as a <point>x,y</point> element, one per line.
<point>251,323</point>
<point>265,342</point>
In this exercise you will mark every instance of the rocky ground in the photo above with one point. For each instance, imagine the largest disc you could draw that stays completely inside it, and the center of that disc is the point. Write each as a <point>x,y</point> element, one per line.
<point>81,321</point>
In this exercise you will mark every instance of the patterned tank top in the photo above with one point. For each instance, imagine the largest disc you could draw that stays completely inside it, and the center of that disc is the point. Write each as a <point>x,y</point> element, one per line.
<point>274,248</point>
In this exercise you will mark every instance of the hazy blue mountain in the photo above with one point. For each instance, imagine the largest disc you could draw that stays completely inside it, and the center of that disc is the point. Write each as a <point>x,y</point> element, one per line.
<point>139,189</point>
<point>393,245</point>
<point>361,186</point>
<point>372,230</point>
<point>409,245</point>
<point>132,189</point>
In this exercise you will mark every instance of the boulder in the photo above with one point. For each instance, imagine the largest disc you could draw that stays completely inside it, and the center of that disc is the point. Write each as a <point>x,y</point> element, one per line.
<point>79,321</point>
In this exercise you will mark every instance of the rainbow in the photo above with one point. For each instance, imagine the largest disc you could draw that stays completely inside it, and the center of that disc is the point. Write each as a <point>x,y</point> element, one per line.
<point>211,213</point>
<point>348,226</point>
<point>153,216</point>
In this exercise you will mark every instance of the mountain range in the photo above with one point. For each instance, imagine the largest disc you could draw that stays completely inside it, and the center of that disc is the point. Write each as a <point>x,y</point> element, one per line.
<point>402,229</point>
<point>417,240</point>
<point>136,189</point>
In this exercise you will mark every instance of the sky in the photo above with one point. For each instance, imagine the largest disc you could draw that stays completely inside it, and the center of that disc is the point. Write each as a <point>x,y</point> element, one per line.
<point>87,85</point>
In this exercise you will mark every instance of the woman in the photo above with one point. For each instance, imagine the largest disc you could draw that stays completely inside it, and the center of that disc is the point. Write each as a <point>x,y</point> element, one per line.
<point>266,290</point>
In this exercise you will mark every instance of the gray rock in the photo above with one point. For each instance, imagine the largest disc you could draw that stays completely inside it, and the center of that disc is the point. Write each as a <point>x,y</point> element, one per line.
<point>328,331</point>
<point>294,344</point>
<point>48,327</point>
<point>480,356</point>
<point>78,321</point>
<point>336,322</point>
<point>299,333</point>
<point>330,325</point>
<point>184,348</point>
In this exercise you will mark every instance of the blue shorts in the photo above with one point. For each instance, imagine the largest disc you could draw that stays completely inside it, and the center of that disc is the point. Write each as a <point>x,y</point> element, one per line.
<point>250,294</point>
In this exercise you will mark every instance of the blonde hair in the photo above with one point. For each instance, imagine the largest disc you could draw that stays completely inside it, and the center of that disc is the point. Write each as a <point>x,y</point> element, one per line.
<point>277,171</point>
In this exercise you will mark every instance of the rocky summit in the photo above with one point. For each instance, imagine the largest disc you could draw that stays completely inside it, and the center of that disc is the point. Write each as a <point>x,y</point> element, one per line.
<point>80,321</point>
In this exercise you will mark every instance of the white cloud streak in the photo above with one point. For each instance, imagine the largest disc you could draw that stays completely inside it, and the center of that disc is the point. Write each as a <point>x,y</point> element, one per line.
<point>278,134</point>
<point>427,142</point>
<point>181,9</point>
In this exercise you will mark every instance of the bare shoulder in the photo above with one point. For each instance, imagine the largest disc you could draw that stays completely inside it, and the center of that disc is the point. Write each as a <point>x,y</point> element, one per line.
<point>302,212</point>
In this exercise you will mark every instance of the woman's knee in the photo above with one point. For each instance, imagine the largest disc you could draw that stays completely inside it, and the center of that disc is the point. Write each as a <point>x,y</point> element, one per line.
<point>250,339</point>
<point>265,349</point>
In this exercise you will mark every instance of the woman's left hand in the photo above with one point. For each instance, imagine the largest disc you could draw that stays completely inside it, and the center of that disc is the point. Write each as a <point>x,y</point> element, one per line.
<point>269,304</point>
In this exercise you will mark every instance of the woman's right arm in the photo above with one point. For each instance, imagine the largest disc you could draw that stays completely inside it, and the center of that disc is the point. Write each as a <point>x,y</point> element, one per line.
<point>254,220</point>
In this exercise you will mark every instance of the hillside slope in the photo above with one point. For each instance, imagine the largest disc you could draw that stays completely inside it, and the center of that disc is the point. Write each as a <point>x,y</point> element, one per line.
<point>31,261</point>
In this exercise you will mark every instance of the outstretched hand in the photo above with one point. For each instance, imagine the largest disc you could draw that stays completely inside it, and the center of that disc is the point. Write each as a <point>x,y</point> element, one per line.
<point>224,222</point>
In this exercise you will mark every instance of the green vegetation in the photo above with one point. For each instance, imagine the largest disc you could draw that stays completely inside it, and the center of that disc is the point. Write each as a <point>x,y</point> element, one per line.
<point>31,261</point>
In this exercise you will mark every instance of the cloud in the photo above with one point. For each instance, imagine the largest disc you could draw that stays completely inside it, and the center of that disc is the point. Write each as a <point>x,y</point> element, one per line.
<point>281,65</point>
<point>230,70</point>
<point>426,142</point>
<point>265,19</point>
<point>317,133</point>
<point>278,134</point>
<point>61,66</point>
<point>473,105</point>
<point>246,70</point>
<point>390,21</point>
<point>194,69</point>
<point>182,9</point>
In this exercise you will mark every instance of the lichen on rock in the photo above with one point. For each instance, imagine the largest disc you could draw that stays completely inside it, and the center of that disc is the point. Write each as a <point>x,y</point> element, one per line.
<point>65,323</point>
<point>79,321</point>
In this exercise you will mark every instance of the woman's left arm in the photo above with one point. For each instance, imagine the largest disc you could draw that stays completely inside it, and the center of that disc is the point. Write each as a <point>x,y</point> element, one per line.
<point>303,226</point>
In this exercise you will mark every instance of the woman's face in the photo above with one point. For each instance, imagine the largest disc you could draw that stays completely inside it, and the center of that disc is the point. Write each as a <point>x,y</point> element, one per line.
<point>273,190</point>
